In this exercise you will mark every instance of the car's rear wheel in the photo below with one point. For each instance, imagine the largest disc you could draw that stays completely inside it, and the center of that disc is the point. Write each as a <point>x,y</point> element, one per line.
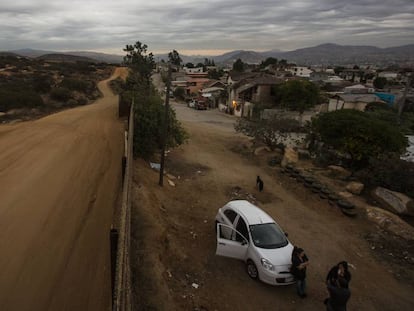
<point>252,269</point>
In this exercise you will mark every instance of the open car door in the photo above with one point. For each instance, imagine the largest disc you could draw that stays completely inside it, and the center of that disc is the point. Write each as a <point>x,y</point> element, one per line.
<point>229,245</point>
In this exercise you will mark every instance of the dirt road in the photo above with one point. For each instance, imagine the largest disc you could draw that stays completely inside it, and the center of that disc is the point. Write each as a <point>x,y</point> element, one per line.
<point>59,181</point>
<point>175,240</point>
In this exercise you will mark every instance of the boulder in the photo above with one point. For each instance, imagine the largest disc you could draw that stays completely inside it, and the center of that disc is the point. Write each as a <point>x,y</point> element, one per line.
<point>355,187</point>
<point>339,172</point>
<point>396,202</point>
<point>261,150</point>
<point>345,194</point>
<point>390,222</point>
<point>290,156</point>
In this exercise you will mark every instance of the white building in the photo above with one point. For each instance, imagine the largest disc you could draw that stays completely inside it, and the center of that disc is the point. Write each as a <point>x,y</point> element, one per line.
<point>303,72</point>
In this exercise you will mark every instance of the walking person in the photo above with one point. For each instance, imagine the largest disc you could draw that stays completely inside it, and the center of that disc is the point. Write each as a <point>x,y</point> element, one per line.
<point>338,271</point>
<point>339,295</point>
<point>259,183</point>
<point>299,264</point>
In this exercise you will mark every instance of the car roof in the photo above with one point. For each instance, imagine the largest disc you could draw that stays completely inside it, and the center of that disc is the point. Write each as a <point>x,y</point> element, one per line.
<point>250,212</point>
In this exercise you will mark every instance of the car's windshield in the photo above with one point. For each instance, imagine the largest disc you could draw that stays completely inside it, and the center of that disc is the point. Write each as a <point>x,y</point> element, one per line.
<point>268,236</point>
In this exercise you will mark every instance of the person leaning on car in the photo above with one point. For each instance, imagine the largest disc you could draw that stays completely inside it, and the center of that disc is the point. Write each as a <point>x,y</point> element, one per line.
<point>299,263</point>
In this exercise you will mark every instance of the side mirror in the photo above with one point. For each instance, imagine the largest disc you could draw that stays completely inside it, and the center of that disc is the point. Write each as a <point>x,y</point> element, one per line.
<point>244,242</point>
<point>286,234</point>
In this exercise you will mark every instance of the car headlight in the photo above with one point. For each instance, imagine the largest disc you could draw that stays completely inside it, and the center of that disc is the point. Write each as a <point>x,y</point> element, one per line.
<point>267,265</point>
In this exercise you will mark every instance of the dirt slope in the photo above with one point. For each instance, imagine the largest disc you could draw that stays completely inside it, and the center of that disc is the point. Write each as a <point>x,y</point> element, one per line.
<point>174,235</point>
<point>59,180</point>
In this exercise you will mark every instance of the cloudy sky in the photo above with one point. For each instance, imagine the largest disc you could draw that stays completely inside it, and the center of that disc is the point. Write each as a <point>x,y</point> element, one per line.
<point>206,27</point>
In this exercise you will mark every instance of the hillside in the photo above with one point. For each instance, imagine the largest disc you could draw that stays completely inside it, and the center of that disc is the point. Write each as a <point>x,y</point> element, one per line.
<point>92,56</point>
<point>64,58</point>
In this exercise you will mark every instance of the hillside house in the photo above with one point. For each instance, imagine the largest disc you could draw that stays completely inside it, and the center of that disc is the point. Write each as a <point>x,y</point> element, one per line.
<point>246,92</point>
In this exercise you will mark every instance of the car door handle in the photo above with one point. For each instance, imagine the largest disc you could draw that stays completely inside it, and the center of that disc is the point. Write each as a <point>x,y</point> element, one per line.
<point>221,243</point>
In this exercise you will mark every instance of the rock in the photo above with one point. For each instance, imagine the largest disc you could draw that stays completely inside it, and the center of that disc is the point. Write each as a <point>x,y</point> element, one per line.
<point>346,194</point>
<point>338,172</point>
<point>393,201</point>
<point>355,187</point>
<point>390,222</point>
<point>290,156</point>
<point>261,150</point>
<point>171,183</point>
<point>172,177</point>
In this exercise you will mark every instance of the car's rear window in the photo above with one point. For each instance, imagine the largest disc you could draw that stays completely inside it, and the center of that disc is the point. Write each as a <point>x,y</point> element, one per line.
<point>268,236</point>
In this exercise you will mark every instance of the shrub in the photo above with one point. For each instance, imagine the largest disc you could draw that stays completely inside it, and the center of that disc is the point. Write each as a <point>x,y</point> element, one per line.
<point>61,94</point>
<point>389,172</point>
<point>75,84</point>
<point>357,134</point>
<point>13,99</point>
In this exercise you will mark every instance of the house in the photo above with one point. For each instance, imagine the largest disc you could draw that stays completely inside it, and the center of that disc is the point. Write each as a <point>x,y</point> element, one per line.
<point>358,89</point>
<point>194,85</point>
<point>390,76</point>
<point>352,101</point>
<point>303,72</point>
<point>246,92</point>
<point>235,76</point>
<point>195,72</point>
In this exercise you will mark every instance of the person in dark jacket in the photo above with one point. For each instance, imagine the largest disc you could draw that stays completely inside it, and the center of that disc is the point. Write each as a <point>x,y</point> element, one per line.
<point>338,295</point>
<point>299,263</point>
<point>337,271</point>
<point>259,183</point>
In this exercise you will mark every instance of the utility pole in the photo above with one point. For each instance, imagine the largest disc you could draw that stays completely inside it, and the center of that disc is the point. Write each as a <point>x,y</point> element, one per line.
<point>166,129</point>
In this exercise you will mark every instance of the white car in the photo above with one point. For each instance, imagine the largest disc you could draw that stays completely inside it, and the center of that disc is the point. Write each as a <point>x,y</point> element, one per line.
<point>246,232</point>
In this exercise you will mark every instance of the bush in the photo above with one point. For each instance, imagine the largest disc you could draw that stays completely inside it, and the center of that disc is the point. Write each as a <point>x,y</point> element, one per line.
<point>13,99</point>
<point>75,85</point>
<point>61,94</point>
<point>357,134</point>
<point>389,172</point>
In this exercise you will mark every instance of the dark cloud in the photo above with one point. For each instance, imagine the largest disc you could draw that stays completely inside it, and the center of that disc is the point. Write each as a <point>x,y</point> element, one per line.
<point>203,25</point>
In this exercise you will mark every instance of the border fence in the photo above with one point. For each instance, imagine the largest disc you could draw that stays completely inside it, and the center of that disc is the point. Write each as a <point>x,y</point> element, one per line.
<point>120,238</point>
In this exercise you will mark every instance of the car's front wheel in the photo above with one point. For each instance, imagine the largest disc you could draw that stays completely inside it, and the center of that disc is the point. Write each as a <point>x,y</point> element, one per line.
<point>252,269</point>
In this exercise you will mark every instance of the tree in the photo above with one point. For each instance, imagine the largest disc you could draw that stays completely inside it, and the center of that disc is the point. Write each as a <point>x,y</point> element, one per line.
<point>299,95</point>
<point>149,120</point>
<point>174,58</point>
<point>358,135</point>
<point>189,65</point>
<point>149,113</point>
<point>139,62</point>
<point>272,132</point>
<point>268,61</point>
<point>179,92</point>
<point>214,74</point>
<point>238,65</point>
<point>380,82</point>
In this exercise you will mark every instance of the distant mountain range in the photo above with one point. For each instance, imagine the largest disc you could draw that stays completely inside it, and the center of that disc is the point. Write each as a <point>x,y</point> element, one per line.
<point>324,54</point>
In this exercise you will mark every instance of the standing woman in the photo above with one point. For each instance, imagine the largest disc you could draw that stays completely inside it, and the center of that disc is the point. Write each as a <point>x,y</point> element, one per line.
<point>299,263</point>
